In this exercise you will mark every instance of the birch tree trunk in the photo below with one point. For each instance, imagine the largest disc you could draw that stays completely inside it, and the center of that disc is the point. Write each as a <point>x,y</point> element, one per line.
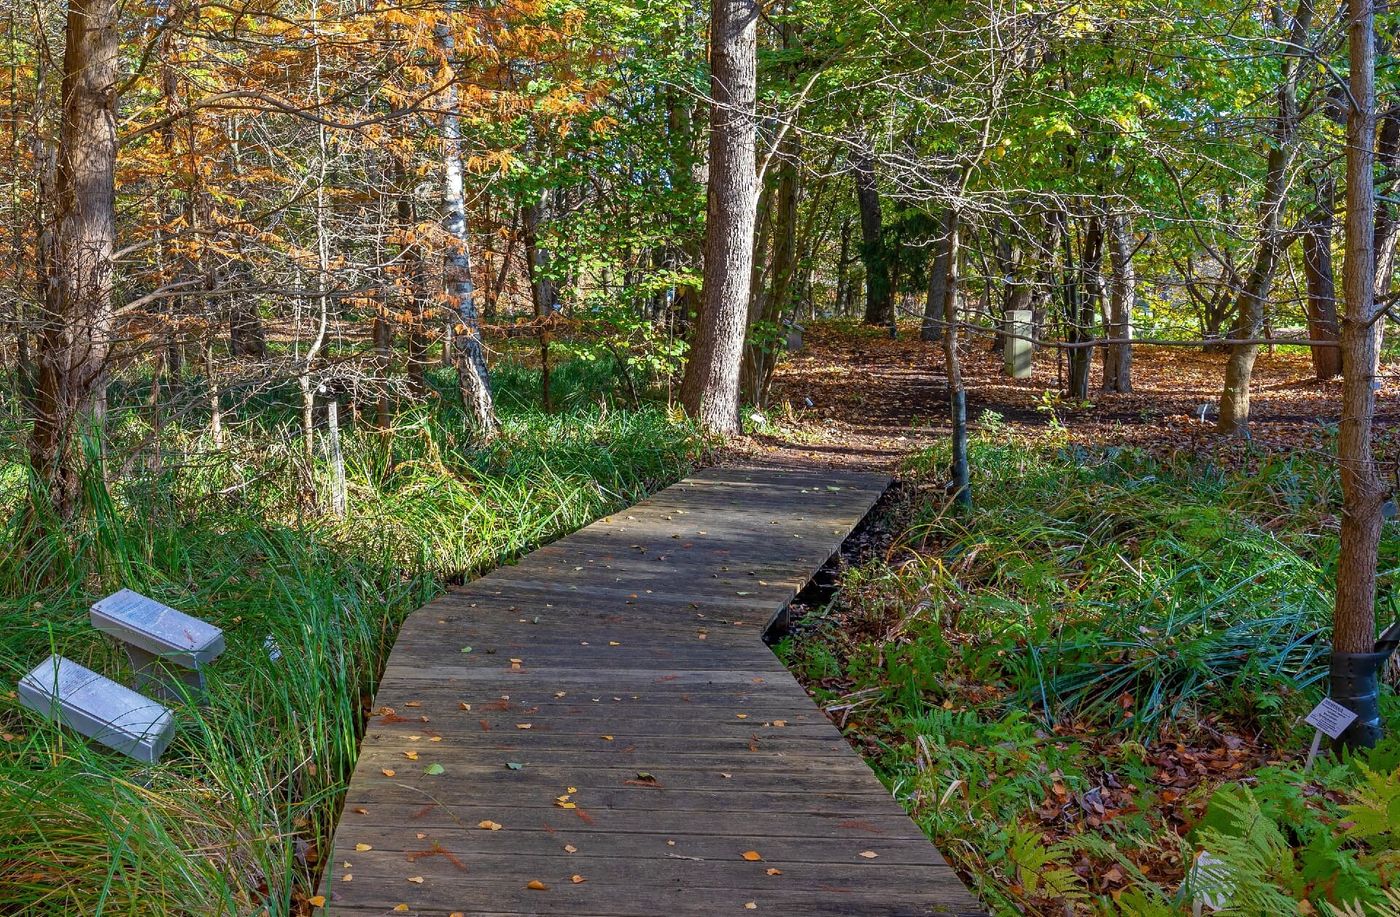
<point>710,391</point>
<point>76,322</point>
<point>473,379</point>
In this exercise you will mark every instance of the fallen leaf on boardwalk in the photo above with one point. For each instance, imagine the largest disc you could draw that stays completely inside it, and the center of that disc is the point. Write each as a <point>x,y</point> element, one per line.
<point>742,716</point>
<point>361,810</point>
<point>780,723</point>
<point>576,879</point>
<point>457,914</point>
<point>434,770</point>
<point>523,725</point>
<point>361,848</point>
<point>570,848</point>
<point>571,790</point>
<point>606,738</point>
<point>537,885</point>
<point>416,880</point>
<point>869,854</point>
<point>751,906</point>
<point>465,706</point>
<point>489,825</point>
<point>347,877</point>
<point>773,871</point>
<point>316,900</point>
<point>411,755</point>
<point>466,649</point>
<point>400,908</point>
<point>414,703</point>
<point>388,772</point>
<point>514,765</point>
<point>752,856</point>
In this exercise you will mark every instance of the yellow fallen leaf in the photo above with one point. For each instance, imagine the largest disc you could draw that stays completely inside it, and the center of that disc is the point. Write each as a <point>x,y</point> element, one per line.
<point>464,705</point>
<point>388,772</point>
<point>751,906</point>
<point>570,848</point>
<point>522,725</point>
<point>576,879</point>
<point>742,716</point>
<point>411,755</point>
<point>489,825</point>
<point>400,908</point>
<point>456,914</point>
<point>363,847</point>
<point>869,854</point>
<point>607,738</point>
<point>774,871</point>
<point>753,856</point>
<point>572,789</point>
<point>416,880</point>
<point>536,885</point>
<point>317,901</point>
<point>361,810</point>
<point>347,877</point>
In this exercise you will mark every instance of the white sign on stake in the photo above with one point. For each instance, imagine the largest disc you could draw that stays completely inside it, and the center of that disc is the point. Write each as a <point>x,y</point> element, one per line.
<point>1329,718</point>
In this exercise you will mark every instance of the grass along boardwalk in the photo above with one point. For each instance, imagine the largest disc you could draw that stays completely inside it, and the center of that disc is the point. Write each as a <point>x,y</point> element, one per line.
<point>601,730</point>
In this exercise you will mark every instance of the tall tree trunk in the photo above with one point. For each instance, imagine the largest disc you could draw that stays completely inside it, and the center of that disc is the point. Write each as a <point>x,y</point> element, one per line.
<point>542,290</point>
<point>843,270</point>
<point>1354,624</point>
<point>1080,293</point>
<point>932,327</point>
<point>711,388</point>
<point>1234,399</point>
<point>1321,285</point>
<point>761,353</point>
<point>77,315</point>
<point>473,378</point>
<point>961,482</point>
<point>1118,357</point>
<point>879,301</point>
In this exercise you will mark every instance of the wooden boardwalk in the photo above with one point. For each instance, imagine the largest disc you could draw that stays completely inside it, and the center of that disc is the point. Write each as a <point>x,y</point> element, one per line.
<point>600,730</point>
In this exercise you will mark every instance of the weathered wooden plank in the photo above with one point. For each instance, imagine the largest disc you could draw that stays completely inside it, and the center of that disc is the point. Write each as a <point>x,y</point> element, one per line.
<point>610,693</point>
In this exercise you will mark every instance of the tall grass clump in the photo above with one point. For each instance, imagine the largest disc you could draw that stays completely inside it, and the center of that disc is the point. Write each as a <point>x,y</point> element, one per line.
<point>1059,683</point>
<point>236,817</point>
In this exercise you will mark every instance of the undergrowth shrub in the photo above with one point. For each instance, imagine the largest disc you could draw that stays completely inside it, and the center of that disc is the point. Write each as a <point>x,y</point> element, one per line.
<point>235,817</point>
<point>1097,676</point>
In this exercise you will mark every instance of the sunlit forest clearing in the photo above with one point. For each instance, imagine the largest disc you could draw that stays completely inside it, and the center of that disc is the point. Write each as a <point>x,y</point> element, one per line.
<point>315,312</point>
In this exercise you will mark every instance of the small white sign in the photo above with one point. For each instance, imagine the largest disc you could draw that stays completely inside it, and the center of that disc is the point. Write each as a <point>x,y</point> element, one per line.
<point>1330,717</point>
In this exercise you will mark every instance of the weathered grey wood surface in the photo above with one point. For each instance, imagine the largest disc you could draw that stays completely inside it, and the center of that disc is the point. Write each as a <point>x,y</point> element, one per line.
<point>620,719</point>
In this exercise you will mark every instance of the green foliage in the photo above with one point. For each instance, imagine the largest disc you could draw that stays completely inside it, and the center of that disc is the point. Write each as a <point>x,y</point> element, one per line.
<point>1009,668</point>
<point>231,821</point>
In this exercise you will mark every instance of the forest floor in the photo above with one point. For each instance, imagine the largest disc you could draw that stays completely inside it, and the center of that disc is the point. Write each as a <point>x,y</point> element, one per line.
<point>852,396</point>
